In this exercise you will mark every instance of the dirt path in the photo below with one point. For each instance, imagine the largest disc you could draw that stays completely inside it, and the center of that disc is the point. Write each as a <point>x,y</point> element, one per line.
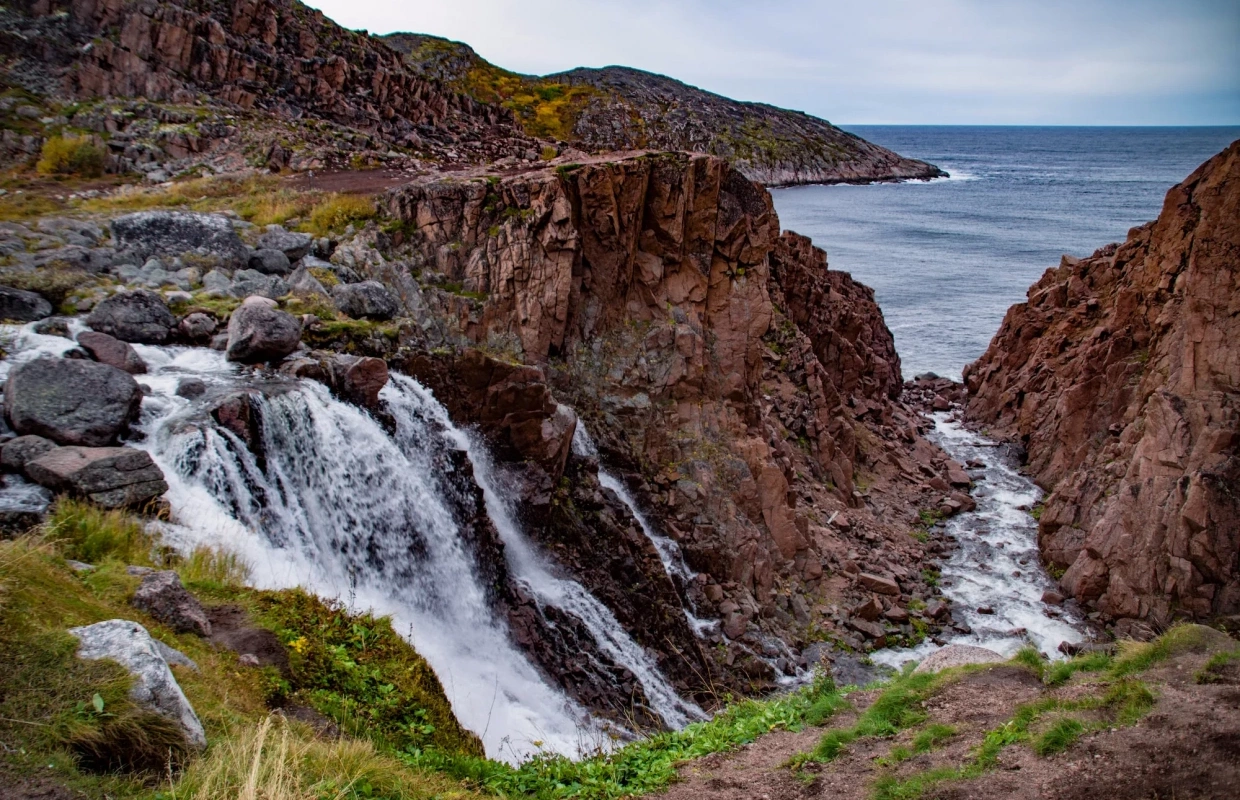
<point>1186,746</point>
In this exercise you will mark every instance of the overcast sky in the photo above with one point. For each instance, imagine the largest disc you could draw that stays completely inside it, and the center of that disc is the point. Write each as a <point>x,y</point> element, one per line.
<point>1083,62</point>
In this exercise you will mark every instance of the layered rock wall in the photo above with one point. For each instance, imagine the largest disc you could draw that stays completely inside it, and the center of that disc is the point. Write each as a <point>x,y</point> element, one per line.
<point>1121,376</point>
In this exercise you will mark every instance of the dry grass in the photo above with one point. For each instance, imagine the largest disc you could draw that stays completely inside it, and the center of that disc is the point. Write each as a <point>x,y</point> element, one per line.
<point>335,212</point>
<point>216,568</point>
<point>279,760</point>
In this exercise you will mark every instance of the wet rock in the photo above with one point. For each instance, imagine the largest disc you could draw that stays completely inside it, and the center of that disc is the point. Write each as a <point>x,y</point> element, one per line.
<point>956,475</point>
<point>294,246</point>
<point>175,233</point>
<point>22,306</point>
<point>870,630</point>
<point>1052,598</point>
<point>958,655</point>
<point>191,388</point>
<point>270,262</point>
<point>358,379</point>
<point>54,326</point>
<point>257,332</point>
<point>130,645</point>
<point>71,401</point>
<point>111,477</point>
<point>985,610</point>
<point>879,584</point>
<point>163,597</point>
<point>138,316</point>
<point>366,300</point>
<point>16,452</point>
<point>197,327</point>
<point>546,440</point>
<point>111,351</point>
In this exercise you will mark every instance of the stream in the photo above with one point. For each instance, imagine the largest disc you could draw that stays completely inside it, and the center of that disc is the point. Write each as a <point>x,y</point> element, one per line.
<point>994,579</point>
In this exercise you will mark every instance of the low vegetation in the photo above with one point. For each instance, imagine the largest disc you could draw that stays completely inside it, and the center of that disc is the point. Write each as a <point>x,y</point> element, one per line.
<point>78,156</point>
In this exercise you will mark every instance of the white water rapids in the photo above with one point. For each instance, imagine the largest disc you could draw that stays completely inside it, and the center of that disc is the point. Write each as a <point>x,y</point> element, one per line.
<point>995,564</point>
<point>348,511</point>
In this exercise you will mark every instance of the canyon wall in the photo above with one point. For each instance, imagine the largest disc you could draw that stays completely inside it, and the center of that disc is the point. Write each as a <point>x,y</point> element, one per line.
<point>1121,377</point>
<point>743,391</point>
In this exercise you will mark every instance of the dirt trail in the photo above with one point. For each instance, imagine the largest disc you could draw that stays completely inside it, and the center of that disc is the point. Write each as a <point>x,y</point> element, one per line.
<point>1186,746</point>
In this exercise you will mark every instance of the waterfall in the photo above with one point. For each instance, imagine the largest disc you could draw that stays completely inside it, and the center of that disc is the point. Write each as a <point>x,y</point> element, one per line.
<point>347,511</point>
<point>538,577</point>
<point>667,548</point>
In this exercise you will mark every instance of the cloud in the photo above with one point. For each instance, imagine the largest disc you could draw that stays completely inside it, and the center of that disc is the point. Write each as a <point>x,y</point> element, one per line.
<point>893,61</point>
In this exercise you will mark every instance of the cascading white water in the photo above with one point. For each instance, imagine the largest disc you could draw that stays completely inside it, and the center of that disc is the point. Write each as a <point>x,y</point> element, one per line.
<point>668,549</point>
<point>343,510</point>
<point>538,577</point>
<point>996,563</point>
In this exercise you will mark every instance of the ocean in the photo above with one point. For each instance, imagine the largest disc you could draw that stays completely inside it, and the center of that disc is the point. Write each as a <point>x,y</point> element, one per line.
<point>948,257</point>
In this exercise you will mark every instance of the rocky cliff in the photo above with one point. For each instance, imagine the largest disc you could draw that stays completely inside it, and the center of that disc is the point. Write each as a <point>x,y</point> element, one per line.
<point>620,108</point>
<point>1121,376</point>
<point>742,390</point>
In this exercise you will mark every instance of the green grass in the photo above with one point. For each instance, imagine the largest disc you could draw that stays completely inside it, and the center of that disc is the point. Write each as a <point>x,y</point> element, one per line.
<point>646,765</point>
<point>1214,669</point>
<point>1061,672</point>
<point>897,708</point>
<point>85,532</point>
<point>933,736</point>
<point>1059,736</point>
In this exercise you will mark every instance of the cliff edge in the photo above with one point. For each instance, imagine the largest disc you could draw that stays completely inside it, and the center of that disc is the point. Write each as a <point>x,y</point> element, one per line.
<point>1121,376</point>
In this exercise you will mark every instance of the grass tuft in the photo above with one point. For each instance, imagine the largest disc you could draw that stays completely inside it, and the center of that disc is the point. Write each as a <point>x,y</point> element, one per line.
<point>85,532</point>
<point>338,211</point>
<point>1058,737</point>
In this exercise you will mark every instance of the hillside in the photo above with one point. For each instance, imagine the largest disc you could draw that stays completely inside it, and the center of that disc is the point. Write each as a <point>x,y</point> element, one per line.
<point>620,108</point>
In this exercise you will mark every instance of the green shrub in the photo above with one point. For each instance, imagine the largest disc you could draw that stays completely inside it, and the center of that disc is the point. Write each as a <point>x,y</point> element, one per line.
<point>71,155</point>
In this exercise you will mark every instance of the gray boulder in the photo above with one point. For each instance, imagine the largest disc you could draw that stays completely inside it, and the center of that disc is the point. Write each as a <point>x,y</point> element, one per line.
<point>111,477</point>
<point>138,316</point>
<point>217,282</point>
<point>958,655</point>
<point>197,327</point>
<point>257,331</point>
<point>163,597</point>
<point>366,300</point>
<point>175,233</point>
<point>190,388</point>
<point>270,262</point>
<point>302,284</point>
<point>294,245</point>
<point>16,452</point>
<point>112,351</point>
<point>155,688</point>
<point>23,306</point>
<point>71,401</point>
<point>252,282</point>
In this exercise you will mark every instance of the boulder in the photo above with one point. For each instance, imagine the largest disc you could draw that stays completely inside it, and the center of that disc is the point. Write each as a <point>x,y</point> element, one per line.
<point>257,332</point>
<point>365,300</point>
<point>868,611</point>
<point>16,452</point>
<point>112,351</point>
<point>138,316</point>
<point>957,655</point>
<point>163,597</point>
<point>879,584</point>
<point>295,246</point>
<point>23,306</point>
<point>111,477</point>
<point>303,284</point>
<point>358,379</point>
<point>71,401</point>
<point>252,282</point>
<point>548,440</point>
<point>175,233</point>
<point>130,645</point>
<point>189,388</point>
<point>270,262</point>
<point>197,327</point>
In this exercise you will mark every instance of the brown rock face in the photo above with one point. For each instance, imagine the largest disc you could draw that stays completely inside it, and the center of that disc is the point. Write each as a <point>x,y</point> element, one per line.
<point>1120,375</point>
<point>742,389</point>
<point>276,55</point>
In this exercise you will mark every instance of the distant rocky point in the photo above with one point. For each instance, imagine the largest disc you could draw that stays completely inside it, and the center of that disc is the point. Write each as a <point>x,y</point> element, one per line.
<point>620,108</point>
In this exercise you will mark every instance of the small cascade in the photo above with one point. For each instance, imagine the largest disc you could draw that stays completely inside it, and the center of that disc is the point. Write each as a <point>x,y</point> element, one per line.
<point>668,549</point>
<point>537,577</point>
<point>996,564</point>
